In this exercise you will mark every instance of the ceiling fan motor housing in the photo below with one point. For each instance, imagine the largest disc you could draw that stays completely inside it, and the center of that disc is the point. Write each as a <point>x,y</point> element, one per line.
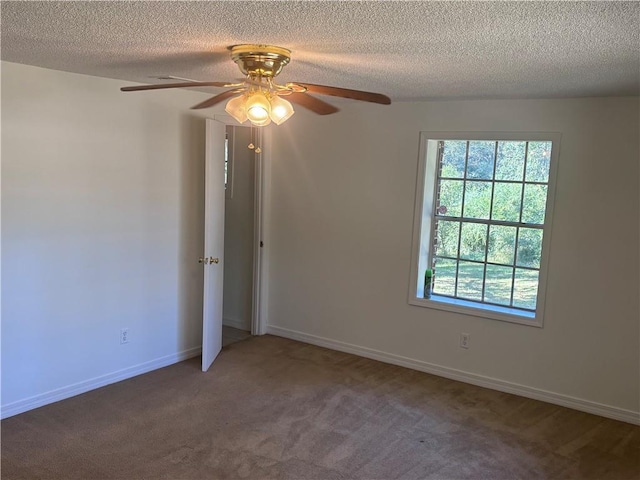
<point>260,60</point>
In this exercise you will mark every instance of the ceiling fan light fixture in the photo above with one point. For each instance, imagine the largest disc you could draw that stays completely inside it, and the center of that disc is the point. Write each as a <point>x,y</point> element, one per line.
<point>258,109</point>
<point>281,110</point>
<point>261,123</point>
<point>236,108</point>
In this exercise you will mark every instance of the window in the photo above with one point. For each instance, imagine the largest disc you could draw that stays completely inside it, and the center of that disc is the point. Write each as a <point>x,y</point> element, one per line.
<point>482,224</point>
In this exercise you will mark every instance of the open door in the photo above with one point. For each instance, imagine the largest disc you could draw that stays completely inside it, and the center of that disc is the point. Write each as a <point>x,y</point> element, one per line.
<point>213,261</point>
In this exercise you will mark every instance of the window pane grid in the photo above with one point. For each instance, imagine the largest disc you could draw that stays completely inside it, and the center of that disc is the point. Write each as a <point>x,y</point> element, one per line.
<point>484,278</point>
<point>526,154</point>
<point>517,182</point>
<point>505,223</point>
<point>486,302</point>
<point>464,193</point>
<point>444,257</point>
<point>476,278</point>
<point>513,271</point>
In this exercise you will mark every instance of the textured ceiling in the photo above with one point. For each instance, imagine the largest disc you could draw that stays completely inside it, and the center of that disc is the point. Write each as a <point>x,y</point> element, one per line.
<point>407,50</point>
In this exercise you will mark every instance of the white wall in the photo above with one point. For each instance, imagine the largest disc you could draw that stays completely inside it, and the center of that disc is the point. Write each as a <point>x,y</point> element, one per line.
<point>238,233</point>
<point>342,216</point>
<point>102,225</point>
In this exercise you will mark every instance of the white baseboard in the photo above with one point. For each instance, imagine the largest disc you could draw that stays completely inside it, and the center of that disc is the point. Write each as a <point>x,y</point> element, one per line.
<point>239,324</point>
<point>615,413</point>
<point>58,394</point>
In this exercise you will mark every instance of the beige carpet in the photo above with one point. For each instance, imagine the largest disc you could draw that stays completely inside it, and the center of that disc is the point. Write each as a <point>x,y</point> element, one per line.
<point>275,408</point>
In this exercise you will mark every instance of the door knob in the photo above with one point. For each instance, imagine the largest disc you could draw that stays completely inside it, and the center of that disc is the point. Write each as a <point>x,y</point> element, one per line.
<point>214,260</point>
<point>203,260</point>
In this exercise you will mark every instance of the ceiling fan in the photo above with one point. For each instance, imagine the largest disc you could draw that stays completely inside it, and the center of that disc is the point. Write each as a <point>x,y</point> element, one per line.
<point>259,98</point>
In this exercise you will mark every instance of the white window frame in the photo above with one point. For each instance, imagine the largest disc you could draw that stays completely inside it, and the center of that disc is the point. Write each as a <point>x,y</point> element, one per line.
<point>422,224</point>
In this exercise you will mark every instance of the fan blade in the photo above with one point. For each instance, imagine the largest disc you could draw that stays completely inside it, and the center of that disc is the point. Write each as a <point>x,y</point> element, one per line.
<point>178,85</point>
<point>314,104</point>
<point>217,99</point>
<point>346,93</point>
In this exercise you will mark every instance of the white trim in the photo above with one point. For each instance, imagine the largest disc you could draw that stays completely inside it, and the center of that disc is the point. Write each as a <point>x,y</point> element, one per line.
<point>464,307</point>
<point>234,323</point>
<point>261,284</point>
<point>69,391</point>
<point>230,160</point>
<point>588,406</point>
<point>227,120</point>
<point>255,324</point>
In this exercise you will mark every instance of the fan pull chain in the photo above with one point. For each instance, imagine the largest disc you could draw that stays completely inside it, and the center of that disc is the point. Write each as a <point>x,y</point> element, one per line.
<point>252,146</point>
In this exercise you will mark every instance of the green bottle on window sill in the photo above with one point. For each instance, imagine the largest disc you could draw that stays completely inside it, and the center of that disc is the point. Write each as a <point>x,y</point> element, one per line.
<point>428,280</point>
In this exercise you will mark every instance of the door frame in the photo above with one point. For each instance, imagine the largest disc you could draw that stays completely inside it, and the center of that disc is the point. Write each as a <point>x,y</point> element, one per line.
<point>262,178</point>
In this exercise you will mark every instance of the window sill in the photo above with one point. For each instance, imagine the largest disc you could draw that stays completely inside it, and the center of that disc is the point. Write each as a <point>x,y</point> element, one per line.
<point>465,307</point>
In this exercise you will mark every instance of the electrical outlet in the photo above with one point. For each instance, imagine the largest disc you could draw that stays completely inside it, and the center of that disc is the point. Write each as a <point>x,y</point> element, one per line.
<point>124,335</point>
<point>465,340</point>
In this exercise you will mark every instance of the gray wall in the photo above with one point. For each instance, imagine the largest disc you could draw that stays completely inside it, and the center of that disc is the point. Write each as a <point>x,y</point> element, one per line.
<point>102,226</point>
<point>341,227</point>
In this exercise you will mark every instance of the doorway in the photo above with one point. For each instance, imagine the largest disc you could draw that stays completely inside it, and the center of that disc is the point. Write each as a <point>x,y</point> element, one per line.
<point>239,233</point>
<point>214,259</point>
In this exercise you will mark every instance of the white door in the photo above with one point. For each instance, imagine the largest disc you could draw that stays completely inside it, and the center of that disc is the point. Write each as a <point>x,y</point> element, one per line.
<point>213,243</point>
